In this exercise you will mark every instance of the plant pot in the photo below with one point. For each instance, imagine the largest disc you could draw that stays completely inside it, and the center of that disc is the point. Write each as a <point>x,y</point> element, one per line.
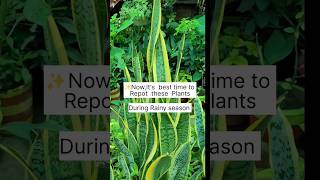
<point>115,94</point>
<point>17,104</point>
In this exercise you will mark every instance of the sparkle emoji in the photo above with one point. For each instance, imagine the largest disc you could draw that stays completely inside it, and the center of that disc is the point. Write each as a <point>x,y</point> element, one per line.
<point>57,81</point>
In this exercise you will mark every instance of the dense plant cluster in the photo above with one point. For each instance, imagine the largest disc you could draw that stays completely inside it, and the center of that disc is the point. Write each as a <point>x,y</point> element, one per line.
<point>131,27</point>
<point>157,145</point>
<point>264,32</point>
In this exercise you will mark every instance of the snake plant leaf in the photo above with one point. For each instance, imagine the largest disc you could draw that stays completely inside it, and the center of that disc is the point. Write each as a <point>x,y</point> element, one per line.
<point>133,145</point>
<point>184,129</point>
<point>180,56</point>
<point>203,161</point>
<point>154,34</point>
<point>58,42</point>
<point>199,122</point>
<point>159,167</point>
<point>101,11</point>
<point>125,151</point>
<point>87,30</point>
<point>130,118</point>
<point>283,152</point>
<point>142,133</point>
<point>180,164</point>
<point>124,166</point>
<point>196,175</point>
<point>161,70</point>
<point>152,144</point>
<point>167,133</point>
<point>136,65</point>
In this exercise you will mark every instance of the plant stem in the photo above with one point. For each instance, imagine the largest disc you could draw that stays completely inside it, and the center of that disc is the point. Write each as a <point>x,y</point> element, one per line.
<point>259,51</point>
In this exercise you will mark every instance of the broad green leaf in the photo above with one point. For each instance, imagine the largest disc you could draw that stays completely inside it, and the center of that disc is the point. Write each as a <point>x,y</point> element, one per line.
<point>245,5</point>
<point>278,47</point>
<point>202,25</point>
<point>180,163</point>
<point>158,167</point>
<point>124,25</point>
<point>250,27</point>
<point>67,23</point>
<point>262,4</point>
<point>116,53</point>
<point>289,30</point>
<point>196,76</point>
<point>37,11</point>
<point>283,153</point>
<point>262,18</point>
<point>235,60</point>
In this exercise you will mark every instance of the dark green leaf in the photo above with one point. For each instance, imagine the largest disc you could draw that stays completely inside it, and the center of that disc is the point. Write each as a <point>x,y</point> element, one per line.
<point>289,30</point>
<point>245,5</point>
<point>67,24</point>
<point>250,27</point>
<point>278,47</point>
<point>196,76</point>
<point>37,11</point>
<point>262,4</point>
<point>262,18</point>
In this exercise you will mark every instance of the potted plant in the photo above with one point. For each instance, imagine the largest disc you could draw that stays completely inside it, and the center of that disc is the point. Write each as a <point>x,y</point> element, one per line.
<point>15,90</point>
<point>16,51</point>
